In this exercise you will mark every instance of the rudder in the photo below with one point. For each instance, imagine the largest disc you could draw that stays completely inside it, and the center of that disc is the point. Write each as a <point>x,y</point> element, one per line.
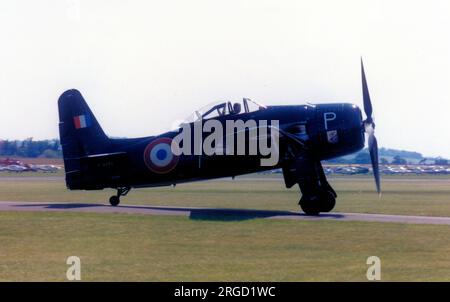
<point>80,133</point>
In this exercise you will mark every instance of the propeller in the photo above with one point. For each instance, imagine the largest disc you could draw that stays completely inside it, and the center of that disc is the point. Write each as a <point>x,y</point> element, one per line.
<point>369,127</point>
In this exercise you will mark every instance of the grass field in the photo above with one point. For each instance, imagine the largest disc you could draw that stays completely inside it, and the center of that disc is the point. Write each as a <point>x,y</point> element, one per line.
<point>401,195</point>
<point>117,247</point>
<point>35,246</point>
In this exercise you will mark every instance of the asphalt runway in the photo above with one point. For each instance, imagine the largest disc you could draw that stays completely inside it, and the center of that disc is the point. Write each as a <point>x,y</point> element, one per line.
<point>213,213</point>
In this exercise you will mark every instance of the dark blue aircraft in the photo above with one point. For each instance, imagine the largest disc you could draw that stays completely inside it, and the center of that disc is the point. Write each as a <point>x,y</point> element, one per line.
<point>308,134</point>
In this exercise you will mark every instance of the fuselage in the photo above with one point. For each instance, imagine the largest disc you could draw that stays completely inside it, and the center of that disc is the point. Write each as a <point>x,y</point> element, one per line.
<point>327,130</point>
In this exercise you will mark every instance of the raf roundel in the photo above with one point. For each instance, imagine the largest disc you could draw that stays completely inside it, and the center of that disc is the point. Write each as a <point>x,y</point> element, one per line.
<point>158,156</point>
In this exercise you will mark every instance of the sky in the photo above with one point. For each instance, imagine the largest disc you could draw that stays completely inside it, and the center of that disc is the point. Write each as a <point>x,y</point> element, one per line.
<point>144,65</point>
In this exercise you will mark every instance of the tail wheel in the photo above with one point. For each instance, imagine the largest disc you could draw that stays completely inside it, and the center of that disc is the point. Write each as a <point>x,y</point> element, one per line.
<point>114,200</point>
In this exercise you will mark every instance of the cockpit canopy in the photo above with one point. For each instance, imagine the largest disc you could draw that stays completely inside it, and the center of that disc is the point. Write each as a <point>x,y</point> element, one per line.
<point>222,108</point>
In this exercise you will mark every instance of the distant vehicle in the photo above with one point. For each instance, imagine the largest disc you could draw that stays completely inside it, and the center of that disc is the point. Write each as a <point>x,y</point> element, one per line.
<point>44,168</point>
<point>394,170</point>
<point>344,170</point>
<point>361,170</point>
<point>351,170</point>
<point>15,168</point>
<point>327,170</point>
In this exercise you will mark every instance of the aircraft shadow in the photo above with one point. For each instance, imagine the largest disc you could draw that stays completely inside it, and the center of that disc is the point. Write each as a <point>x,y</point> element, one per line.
<point>247,214</point>
<point>213,214</point>
<point>61,205</point>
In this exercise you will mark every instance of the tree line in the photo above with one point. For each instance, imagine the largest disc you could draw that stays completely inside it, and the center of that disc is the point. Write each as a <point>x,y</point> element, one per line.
<point>52,149</point>
<point>389,156</point>
<point>30,148</point>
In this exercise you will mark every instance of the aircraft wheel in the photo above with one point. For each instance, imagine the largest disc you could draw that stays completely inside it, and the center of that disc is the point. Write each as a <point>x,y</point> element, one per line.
<point>114,200</point>
<point>327,201</point>
<point>310,206</point>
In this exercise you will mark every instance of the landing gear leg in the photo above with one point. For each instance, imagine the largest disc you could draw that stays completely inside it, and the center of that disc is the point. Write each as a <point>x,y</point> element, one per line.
<point>317,194</point>
<point>115,199</point>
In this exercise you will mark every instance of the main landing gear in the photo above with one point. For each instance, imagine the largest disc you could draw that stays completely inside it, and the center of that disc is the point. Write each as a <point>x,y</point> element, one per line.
<point>115,199</point>
<point>317,194</point>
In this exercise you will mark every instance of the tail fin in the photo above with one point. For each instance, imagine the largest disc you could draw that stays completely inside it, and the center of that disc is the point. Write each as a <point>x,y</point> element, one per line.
<point>79,131</point>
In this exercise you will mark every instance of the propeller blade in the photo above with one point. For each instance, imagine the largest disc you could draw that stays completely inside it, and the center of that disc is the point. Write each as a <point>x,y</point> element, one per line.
<point>369,126</point>
<point>373,150</point>
<point>366,95</point>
